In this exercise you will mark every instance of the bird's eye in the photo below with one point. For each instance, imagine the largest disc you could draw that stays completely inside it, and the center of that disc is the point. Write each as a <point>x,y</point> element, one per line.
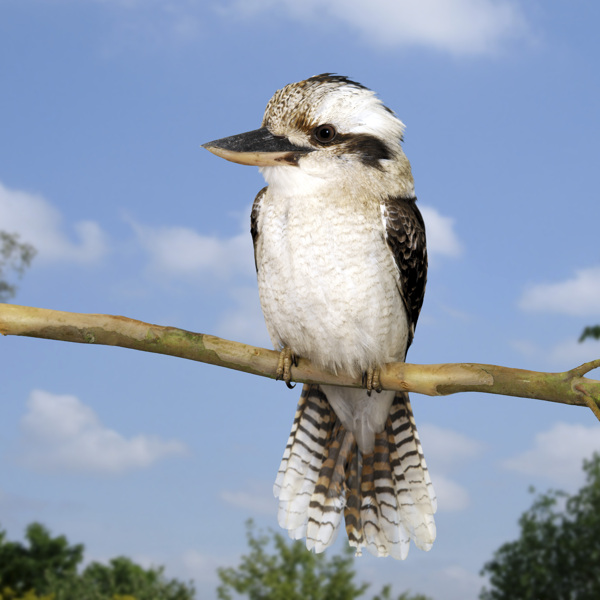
<point>324,134</point>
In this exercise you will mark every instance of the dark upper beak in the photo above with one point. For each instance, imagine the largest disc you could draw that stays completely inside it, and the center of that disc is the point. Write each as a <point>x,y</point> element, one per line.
<point>259,147</point>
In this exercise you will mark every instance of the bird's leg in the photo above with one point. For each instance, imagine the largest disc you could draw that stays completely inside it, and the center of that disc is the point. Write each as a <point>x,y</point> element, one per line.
<point>371,380</point>
<point>284,366</point>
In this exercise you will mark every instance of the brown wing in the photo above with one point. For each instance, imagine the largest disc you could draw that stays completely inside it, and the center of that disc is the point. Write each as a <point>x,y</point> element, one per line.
<point>405,236</point>
<point>254,220</point>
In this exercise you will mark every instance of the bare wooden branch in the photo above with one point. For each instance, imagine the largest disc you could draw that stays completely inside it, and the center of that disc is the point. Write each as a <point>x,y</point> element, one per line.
<point>569,387</point>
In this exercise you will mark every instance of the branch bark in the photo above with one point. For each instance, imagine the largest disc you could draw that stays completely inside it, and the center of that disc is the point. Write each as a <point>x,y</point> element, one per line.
<point>569,387</point>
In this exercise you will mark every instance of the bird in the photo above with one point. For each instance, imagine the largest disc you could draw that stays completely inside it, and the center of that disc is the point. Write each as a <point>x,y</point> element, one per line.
<point>341,261</point>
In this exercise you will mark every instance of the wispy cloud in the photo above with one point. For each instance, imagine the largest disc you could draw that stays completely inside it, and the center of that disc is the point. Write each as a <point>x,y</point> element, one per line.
<point>255,498</point>
<point>62,433</point>
<point>451,495</point>
<point>562,355</point>
<point>570,353</point>
<point>202,567</point>
<point>557,454</point>
<point>446,450</point>
<point>460,27</point>
<point>441,237</point>
<point>448,447</point>
<point>577,296</point>
<point>153,23</point>
<point>40,223</point>
<point>456,582</point>
<point>181,251</point>
<point>244,321</point>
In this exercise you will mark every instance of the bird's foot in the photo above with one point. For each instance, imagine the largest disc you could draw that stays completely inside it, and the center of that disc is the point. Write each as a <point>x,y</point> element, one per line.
<point>371,380</point>
<point>287,359</point>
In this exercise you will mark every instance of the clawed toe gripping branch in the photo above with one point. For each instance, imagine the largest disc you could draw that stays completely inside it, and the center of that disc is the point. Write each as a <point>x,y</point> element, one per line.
<point>569,387</point>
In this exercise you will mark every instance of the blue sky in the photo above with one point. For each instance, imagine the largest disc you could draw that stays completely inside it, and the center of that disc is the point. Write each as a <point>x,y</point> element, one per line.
<point>103,107</point>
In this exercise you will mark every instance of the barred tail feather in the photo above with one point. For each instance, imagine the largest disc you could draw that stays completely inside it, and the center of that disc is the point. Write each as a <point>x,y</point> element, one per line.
<point>415,493</point>
<point>302,460</point>
<point>386,496</point>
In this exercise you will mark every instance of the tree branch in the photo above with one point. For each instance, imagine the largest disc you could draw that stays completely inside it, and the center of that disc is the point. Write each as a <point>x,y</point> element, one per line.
<point>569,387</point>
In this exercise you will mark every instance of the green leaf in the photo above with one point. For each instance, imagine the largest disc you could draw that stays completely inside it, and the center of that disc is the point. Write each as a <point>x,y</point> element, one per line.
<point>557,555</point>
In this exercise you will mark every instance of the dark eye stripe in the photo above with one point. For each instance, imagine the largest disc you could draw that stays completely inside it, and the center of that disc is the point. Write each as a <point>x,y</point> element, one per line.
<point>370,149</point>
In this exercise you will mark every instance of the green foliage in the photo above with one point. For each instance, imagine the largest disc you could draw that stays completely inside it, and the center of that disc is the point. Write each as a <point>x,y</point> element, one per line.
<point>46,569</point>
<point>122,576</point>
<point>9,594</point>
<point>557,556</point>
<point>14,256</point>
<point>121,579</point>
<point>27,567</point>
<point>386,594</point>
<point>278,569</point>
<point>590,332</point>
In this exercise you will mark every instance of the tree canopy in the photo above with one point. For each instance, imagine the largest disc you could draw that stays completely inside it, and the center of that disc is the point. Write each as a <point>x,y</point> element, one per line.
<point>14,256</point>
<point>276,568</point>
<point>46,568</point>
<point>592,331</point>
<point>557,555</point>
<point>27,567</point>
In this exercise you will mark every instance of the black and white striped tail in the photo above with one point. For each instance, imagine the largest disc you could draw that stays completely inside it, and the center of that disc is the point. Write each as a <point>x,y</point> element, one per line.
<point>386,496</point>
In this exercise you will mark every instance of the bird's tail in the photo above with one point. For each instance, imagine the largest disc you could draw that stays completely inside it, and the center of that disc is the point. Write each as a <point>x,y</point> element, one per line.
<point>386,496</point>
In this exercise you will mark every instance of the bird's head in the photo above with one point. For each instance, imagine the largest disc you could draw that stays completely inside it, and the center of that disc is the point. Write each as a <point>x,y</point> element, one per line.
<point>325,130</point>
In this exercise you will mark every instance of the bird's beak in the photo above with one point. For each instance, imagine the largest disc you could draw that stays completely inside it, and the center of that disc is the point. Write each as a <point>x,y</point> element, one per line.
<point>259,147</point>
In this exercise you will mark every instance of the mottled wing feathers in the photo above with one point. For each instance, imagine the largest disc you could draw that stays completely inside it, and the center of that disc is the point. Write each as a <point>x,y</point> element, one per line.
<point>405,236</point>
<point>254,220</point>
<point>386,496</point>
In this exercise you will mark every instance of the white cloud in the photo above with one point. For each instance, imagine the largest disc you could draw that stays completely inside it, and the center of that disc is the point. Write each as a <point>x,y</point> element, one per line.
<point>60,432</point>
<point>183,251</point>
<point>40,223</point>
<point>563,355</point>
<point>570,353</point>
<point>456,582</point>
<point>203,567</point>
<point>447,447</point>
<point>526,348</point>
<point>557,454</point>
<point>451,496</point>
<point>441,237</point>
<point>245,321</point>
<point>578,296</point>
<point>255,498</point>
<point>461,27</point>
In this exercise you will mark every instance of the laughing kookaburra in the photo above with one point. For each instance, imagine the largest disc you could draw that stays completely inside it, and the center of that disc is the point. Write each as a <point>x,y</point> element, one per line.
<point>339,245</point>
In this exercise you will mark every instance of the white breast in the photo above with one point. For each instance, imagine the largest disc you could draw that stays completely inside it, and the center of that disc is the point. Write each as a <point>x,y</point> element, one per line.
<point>327,280</point>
